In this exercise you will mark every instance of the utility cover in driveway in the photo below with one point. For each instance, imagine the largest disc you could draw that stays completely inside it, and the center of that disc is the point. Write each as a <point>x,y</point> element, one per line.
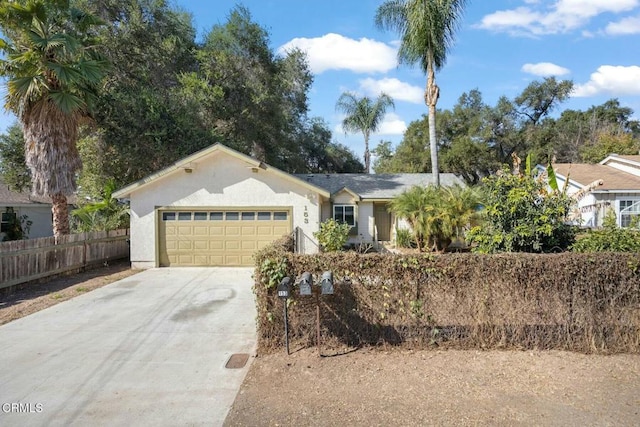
<point>237,361</point>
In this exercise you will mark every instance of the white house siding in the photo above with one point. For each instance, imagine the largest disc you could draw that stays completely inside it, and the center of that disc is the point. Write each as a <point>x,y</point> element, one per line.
<point>589,216</point>
<point>40,217</point>
<point>219,181</point>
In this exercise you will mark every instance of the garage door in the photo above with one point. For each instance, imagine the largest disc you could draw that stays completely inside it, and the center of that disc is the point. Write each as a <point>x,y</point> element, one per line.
<point>218,237</point>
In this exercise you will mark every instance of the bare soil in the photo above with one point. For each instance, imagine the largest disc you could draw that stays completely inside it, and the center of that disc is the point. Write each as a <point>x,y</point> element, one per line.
<point>32,297</point>
<point>374,387</point>
<point>446,388</point>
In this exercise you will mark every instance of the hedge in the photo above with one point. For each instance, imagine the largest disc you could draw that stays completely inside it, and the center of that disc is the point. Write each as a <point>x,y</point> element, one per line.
<point>578,302</point>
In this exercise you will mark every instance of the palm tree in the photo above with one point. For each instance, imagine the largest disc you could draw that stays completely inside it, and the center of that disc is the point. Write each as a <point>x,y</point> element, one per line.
<point>437,215</point>
<point>53,70</point>
<point>363,115</point>
<point>427,29</point>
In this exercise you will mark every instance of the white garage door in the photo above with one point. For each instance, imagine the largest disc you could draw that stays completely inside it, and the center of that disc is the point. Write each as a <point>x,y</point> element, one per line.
<point>215,237</point>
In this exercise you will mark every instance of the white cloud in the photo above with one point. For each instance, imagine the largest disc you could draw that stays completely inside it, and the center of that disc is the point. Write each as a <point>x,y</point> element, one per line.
<point>545,69</point>
<point>336,52</point>
<point>562,17</point>
<point>626,26</point>
<point>611,80</point>
<point>396,89</point>
<point>391,124</point>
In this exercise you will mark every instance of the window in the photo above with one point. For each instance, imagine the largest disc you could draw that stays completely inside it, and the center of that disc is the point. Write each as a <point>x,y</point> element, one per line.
<point>279,216</point>
<point>232,216</point>
<point>184,216</point>
<point>264,216</point>
<point>345,213</point>
<point>629,211</point>
<point>216,216</point>
<point>7,219</point>
<point>199,216</point>
<point>248,216</point>
<point>167,216</point>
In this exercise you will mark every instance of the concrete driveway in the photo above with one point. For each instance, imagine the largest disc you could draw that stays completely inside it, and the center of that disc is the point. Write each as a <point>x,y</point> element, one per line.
<point>147,350</point>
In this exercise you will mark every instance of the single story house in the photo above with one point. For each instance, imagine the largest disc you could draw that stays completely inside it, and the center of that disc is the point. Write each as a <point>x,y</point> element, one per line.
<point>620,189</point>
<point>36,209</point>
<point>218,206</point>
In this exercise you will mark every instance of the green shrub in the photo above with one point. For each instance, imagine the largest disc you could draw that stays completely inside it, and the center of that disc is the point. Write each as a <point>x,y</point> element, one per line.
<point>405,238</point>
<point>610,239</point>
<point>332,235</point>
<point>17,227</point>
<point>522,216</point>
<point>436,214</point>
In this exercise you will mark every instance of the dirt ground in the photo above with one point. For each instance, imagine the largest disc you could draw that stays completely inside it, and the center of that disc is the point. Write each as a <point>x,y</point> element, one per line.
<point>32,297</point>
<point>444,388</point>
<point>409,388</point>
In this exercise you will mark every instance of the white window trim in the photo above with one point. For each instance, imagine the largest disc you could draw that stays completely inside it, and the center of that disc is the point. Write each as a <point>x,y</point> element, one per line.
<point>342,205</point>
<point>633,199</point>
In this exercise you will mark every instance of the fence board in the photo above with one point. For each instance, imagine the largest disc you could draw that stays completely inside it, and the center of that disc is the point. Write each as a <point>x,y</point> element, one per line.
<point>26,260</point>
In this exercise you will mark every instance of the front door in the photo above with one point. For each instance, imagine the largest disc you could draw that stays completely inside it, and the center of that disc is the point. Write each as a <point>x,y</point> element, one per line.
<point>383,222</point>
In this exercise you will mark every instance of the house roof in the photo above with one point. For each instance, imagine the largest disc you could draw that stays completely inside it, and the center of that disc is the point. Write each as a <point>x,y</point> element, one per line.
<point>376,186</point>
<point>191,162</point>
<point>584,174</point>
<point>9,197</point>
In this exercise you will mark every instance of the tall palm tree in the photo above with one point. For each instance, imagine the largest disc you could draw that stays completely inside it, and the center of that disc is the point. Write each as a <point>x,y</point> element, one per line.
<point>363,115</point>
<point>53,70</point>
<point>427,29</point>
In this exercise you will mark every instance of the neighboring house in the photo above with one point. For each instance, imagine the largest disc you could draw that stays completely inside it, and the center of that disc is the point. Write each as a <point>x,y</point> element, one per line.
<point>37,210</point>
<point>620,189</point>
<point>218,206</point>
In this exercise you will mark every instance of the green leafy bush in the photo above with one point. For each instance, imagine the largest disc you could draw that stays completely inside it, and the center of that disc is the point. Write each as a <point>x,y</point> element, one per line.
<point>404,238</point>
<point>610,238</point>
<point>17,227</point>
<point>522,216</point>
<point>332,235</point>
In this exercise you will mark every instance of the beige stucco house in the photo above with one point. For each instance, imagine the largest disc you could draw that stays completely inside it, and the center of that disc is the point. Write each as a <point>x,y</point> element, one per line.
<point>620,189</point>
<point>218,206</point>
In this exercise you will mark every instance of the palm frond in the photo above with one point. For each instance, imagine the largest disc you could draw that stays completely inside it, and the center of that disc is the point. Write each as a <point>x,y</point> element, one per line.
<point>66,101</point>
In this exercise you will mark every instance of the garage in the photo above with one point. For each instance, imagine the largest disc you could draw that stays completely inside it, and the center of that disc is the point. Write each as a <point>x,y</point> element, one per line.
<point>218,237</point>
<point>217,207</point>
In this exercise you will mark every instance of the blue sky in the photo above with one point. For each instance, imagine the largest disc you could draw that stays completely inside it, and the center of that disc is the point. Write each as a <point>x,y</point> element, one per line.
<point>501,47</point>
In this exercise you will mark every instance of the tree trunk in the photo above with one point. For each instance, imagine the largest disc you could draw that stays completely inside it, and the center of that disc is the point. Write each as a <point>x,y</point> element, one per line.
<point>431,95</point>
<point>60,211</point>
<point>367,154</point>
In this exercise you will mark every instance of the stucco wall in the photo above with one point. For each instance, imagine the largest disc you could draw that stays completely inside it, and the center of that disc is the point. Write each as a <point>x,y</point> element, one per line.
<point>222,181</point>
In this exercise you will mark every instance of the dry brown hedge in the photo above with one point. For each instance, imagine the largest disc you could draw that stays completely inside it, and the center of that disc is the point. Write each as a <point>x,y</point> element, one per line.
<point>579,302</point>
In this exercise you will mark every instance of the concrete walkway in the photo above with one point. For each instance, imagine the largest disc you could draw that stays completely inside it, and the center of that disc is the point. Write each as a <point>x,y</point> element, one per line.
<point>148,350</point>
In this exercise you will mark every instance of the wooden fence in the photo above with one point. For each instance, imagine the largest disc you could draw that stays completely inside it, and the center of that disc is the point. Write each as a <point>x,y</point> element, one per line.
<point>25,260</point>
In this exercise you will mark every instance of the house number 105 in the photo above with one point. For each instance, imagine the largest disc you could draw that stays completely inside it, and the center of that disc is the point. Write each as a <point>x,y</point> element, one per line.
<point>306,215</point>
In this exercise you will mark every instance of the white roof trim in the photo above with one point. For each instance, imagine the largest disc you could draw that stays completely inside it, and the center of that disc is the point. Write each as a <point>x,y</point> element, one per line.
<point>620,159</point>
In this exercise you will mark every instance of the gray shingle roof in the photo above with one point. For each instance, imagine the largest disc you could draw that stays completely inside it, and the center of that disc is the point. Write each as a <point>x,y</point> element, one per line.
<point>9,197</point>
<point>376,186</point>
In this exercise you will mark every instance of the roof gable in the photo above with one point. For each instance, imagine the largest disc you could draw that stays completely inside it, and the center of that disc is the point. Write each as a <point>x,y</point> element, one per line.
<point>584,174</point>
<point>192,161</point>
